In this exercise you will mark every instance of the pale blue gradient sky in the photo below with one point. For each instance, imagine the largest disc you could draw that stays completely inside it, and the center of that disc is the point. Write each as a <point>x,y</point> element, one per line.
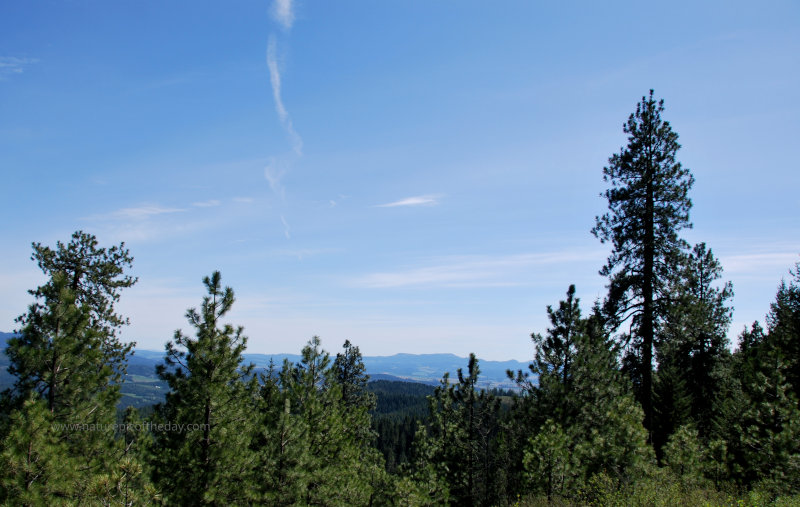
<point>413,176</point>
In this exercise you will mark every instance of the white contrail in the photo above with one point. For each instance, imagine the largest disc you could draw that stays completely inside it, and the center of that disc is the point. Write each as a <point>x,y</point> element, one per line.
<point>285,227</point>
<point>282,13</point>
<point>275,80</point>
<point>273,173</point>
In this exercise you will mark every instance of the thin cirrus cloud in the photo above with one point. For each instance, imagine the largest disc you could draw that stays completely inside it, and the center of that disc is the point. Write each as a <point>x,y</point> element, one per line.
<point>420,200</point>
<point>755,264</point>
<point>211,203</point>
<point>474,271</point>
<point>138,212</point>
<point>274,172</point>
<point>285,227</point>
<point>11,65</point>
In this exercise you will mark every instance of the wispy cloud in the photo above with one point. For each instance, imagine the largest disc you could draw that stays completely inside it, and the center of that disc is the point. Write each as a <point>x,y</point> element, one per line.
<point>473,271</point>
<point>764,266</point>
<point>744,263</point>
<point>335,202</point>
<point>274,172</point>
<point>286,228</point>
<point>283,13</point>
<point>11,65</point>
<point>206,204</point>
<point>420,200</point>
<point>243,200</point>
<point>137,213</point>
<point>303,253</point>
<point>153,221</point>
<point>275,80</point>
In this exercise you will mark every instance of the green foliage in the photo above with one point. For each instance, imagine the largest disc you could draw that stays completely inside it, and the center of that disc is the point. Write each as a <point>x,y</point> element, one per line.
<point>726,427</point>
<point>783,322</point>
<point>314,446</point>
<point>673,403</point>
<point>208,459</point>
<point>280,446</point>
<point>400,408</point>
<point>456,454</point>
<point>67,345</point>
<point>36,463</point>
<point>693,346</point>
<point>597,428</point>
<point>548,461</point>
<point>67,358</point>
<point>770,432</point>
<point>350,374</point>
<point>648,205</point>
<point>555,355</point>
<point>760,420</point>
<point>685,456</point>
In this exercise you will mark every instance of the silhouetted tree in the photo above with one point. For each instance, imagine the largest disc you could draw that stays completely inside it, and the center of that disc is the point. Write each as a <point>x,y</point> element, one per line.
<point>648,206</point>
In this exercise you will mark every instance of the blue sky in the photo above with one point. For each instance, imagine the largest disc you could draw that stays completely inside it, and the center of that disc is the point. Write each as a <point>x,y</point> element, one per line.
<point>415,176</point>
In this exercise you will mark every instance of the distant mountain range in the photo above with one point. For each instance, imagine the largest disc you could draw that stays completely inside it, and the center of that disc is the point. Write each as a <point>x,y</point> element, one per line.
<point>143,387</point>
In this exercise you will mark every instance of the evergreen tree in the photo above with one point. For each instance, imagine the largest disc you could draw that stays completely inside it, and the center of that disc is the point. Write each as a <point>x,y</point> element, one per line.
<point>648,206</point>
<point>336,475</point>
<point>673,404</point>
<point>206,459</point>
<point>693,342</point>
<point>130,479</point>
<point>349,373</point>
<point>37,465</point>
<point>280,443</point>
<point>762,423</point>
<point>314,447</point>
<point>769,430</point>
<point>423,481</point>
<point>73,315</point>
<point>427,479</point>
<point>596,424</point>
<point>686,456</point>
<point>460,442</point>
<point>609,435</point>
<point>733,401</point>
<point>549,463</point>
<point>547,404</point>
<point>67,354</point>
<point>555,355</point>
<point>783,323</point>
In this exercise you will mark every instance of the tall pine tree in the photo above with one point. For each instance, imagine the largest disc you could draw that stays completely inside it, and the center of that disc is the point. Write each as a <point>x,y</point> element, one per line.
<point>593,424</point>
<point>648,206</point>
<point>202,453</point>
<point>67,358</point>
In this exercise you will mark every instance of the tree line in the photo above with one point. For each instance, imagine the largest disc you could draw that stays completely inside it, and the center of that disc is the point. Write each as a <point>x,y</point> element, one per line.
<point>639,401</point>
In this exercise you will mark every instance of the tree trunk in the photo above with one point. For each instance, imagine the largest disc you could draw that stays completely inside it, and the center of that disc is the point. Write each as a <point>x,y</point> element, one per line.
<point>648,281</point>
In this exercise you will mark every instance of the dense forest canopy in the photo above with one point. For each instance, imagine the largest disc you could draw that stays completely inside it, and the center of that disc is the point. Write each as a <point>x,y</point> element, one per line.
<point>635,400</point>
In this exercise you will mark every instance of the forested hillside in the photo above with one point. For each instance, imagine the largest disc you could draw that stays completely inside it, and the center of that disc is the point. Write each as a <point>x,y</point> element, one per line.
<point>637,398</point>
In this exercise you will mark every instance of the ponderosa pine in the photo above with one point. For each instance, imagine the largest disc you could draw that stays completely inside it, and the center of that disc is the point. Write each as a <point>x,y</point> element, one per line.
<point>208,459</point>
<point>67,355</point>
<point>648,205</point>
